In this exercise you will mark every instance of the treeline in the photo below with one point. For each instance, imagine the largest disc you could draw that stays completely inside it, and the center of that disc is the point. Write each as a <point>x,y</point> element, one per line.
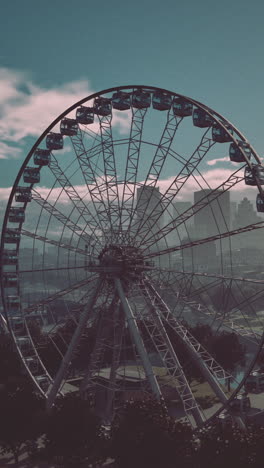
<point>142,435</point>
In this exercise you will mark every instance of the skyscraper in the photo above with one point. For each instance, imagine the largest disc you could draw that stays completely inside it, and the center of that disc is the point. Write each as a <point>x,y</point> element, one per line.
<point>214,218</point>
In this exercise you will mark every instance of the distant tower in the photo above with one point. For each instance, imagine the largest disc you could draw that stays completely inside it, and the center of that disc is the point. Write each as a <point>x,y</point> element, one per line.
<point>150,212</point>
<point>180,207</point>
<point>245,216</point>
<point>214,218</point>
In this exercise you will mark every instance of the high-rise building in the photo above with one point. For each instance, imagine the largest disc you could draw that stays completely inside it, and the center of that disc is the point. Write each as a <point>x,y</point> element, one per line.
<point>149,207</point>
<point>150,217</point>
<point>214,217</point>
<point>245,216</point>
<point>185,228</point>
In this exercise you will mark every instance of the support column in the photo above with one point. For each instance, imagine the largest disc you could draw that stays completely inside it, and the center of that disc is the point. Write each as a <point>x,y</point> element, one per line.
<point>72,346</point>
<point>133,328</point>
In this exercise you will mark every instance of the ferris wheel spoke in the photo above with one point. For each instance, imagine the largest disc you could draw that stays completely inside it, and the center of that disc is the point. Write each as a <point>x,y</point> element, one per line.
<point>234,232</point>
<point>58,244</point>
<point>229,183</point>
<point>73,344</point>
<point>131,171</point>
<point>92,177</point>
<point>223,318</point>
<point>204,357</point>
<point>170,194</point>
<point>58,294</point>
<point>110,184</point>
<point>53,211</point>
<point>73,195</point>
<point>44,270</point>
<point>154,173</point>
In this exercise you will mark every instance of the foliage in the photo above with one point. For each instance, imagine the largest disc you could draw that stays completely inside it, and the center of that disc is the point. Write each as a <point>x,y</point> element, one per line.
<point>9,362</point>
<point>21,419</point>
<point>73,433</point>
<point>146,436</point>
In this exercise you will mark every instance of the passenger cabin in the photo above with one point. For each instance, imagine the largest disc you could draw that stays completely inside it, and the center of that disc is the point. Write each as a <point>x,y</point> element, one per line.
<point>10,257</point>
<point>220,135</point>
<point>18,325</point>
<point>161,101</point>
<point>249,177</point>
<point>42,157</point>
<point>201,118</point>
<point>24,344</point>
<point>31,175</point>
<point>10,280</point>
<point>260,203</point>
<point>85,115</point>
<point>69,127</point>
<point>32,363</point>
<point>255,382</point>
<point>102,106</point>
<point>240,403</point>
<point>43,382</point>
<point>235,151</point>
<point>254,174</point>
<point>54,141</point>
<point>12,236</point>
<point>16,215</point>
<point>182,108</point>
<point>13,302</point>
<point>121,101</point>
<point>23,194</point>
<point>141,99</point>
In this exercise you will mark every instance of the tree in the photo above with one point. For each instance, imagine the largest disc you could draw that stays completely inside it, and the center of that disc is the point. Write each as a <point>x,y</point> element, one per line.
<point>20,421</point>
<point>73,433</point>
<point>144,435</point>
<point>9,362</point>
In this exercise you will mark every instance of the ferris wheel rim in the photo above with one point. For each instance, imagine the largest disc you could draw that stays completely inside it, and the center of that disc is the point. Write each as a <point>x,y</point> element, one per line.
<point>87,99</point>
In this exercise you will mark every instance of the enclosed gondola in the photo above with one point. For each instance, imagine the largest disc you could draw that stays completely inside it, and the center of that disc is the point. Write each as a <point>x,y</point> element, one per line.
<point>121,101</point>
<point>141,99</point>
<point>13,303</point>
<point>32,364</point>
<point>43,382</point>
<point>31,175</point>
<point>16,215</point>
<point>85,115</point>
<point>12,236</point>
<point>254,175</point>
<point>18,325</point>
<point>102,106</point>
<point>260,203</point>
<point>220,134</point>
<point>236,154</point>
<point>23,194</point>
<point>69,127</point>
<point>161,101</point>
<point>10,257</point>
<point>42,157</point>
<point>24,344</point>
<point>240,403</point>
<point>10,280</point>
<point>182,108</point>
<point>54,141</point>
<point>201,118</point>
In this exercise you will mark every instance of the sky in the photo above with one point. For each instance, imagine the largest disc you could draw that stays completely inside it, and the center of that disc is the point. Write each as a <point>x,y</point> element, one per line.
<point>54,53</point>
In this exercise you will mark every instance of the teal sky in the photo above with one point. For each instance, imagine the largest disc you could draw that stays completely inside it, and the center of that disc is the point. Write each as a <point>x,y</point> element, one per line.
<point>211,51</point>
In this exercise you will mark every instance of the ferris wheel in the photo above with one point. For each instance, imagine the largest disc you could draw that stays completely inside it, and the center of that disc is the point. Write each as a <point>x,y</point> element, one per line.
<point>118,237</point>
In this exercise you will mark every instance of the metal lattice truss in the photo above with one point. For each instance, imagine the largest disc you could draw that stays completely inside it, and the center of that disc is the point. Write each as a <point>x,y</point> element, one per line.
<point>109,255</point>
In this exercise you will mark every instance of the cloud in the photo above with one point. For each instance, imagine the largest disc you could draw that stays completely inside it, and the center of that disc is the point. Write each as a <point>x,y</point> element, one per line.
<point>211,178</point>
<point>8,151</point>
<point>28,109</point>
<point>212,162</point>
